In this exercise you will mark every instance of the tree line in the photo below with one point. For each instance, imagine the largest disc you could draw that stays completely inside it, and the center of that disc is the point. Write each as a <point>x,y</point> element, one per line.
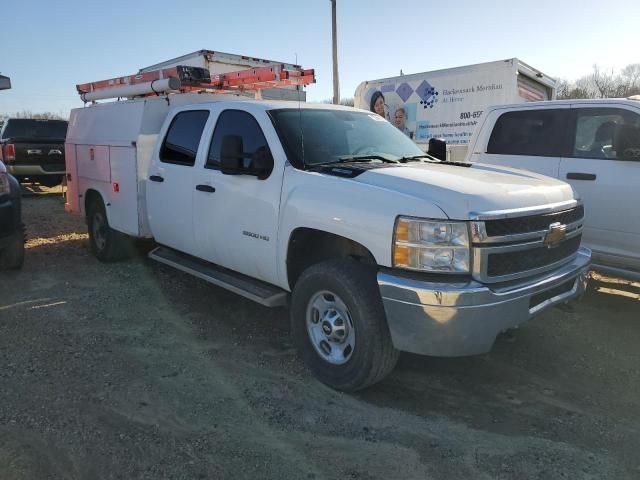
<point>602,83</point>
<point>36,115</point>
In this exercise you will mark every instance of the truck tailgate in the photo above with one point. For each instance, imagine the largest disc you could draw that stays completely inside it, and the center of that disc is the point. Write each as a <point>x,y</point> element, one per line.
<point>49,155</point>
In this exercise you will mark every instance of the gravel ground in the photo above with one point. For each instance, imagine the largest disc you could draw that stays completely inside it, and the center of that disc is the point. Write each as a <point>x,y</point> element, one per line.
<point>134,370</point>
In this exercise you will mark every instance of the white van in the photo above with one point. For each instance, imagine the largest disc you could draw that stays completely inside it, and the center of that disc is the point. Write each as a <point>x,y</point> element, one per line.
<point>592,144</point>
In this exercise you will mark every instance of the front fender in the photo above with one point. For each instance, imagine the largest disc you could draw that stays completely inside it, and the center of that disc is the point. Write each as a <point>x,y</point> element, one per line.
<point>363,213</point>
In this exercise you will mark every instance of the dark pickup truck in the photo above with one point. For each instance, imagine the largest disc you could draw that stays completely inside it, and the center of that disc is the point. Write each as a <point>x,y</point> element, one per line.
<point>11,227</point>
<point>33,149</point>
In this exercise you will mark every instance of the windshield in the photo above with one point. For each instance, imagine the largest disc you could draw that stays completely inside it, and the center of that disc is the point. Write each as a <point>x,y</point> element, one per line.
<point>27,128</point>
<point>332,135</point>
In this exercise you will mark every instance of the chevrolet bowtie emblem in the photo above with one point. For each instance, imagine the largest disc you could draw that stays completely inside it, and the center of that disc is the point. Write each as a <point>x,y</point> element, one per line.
<point>555,235</point>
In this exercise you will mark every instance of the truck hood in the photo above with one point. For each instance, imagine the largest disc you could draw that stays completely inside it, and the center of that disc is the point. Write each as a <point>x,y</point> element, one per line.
<point>462,191</point>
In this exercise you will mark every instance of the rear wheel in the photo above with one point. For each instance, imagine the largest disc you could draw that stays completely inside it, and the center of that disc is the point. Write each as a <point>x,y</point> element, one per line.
<point>12,257</point>
<point>339,325</point>
<point>50,181</point>
<point>107,245</point>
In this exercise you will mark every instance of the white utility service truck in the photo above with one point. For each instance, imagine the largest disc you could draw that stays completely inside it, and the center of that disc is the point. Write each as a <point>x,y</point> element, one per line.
<point>375,247</point>
<point>447,104</point>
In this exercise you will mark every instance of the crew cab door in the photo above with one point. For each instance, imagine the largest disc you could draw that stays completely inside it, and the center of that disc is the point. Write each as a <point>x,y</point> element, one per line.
<point>604,168</point>
<point>531,138</point>
<point>171,179</point>
<point>236,215</point>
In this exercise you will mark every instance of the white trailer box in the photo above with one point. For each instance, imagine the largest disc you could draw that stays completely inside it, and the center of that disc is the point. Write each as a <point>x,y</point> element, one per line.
<point>219,62</point>
<point>448,103</point>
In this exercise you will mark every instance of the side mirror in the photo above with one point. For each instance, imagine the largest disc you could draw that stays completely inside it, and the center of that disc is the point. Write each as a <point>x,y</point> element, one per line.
<point>232,159</point>
<point>626,142</point>
<point>438,148</point>
<point>231,155</point>
<point>261,163</point>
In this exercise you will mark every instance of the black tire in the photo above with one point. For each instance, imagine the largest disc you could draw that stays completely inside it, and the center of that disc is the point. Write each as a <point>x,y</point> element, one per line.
<point>107,245</point>
<point>12,257</point>
<point>373,356</point>
<point>50,181</point>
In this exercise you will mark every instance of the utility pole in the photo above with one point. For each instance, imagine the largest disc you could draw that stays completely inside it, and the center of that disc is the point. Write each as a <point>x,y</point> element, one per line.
<point>334,29</point>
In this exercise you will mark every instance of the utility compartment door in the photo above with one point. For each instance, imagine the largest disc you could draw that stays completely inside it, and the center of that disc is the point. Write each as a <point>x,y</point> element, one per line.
<point>72,201</point>
<point>93,162</point>
<point>123,194</point>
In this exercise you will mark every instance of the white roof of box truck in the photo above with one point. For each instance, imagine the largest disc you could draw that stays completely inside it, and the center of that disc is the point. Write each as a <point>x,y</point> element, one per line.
<point>466,69</point>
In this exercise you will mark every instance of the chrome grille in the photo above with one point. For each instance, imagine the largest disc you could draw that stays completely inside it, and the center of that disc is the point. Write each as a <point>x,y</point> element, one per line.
<point>508,246</point>
<point>507,263</point>
<point>533,223</point>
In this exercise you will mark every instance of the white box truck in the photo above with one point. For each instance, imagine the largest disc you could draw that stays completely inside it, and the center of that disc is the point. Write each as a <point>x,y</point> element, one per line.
<point>448,103</point>
<point>220,62</point>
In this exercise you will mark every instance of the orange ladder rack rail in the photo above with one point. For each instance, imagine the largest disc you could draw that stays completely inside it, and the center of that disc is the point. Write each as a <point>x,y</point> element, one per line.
<point>189,79</point>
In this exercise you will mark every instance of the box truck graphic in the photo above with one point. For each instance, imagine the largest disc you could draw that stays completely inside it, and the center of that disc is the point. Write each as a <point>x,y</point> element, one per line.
<point>448,103</point>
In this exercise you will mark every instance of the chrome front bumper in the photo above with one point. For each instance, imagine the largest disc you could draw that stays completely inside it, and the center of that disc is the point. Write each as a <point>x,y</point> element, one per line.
<point>464,318</point>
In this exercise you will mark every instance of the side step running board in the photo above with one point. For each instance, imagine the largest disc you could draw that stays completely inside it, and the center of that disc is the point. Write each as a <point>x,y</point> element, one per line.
<point>256,290</point>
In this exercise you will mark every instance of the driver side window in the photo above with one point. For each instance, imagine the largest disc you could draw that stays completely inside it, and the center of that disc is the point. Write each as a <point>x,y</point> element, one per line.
<point>244,126</point>
<point>607,133</point>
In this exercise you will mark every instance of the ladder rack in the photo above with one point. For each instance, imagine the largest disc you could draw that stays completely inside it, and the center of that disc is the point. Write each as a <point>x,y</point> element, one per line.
<point>182,79</point>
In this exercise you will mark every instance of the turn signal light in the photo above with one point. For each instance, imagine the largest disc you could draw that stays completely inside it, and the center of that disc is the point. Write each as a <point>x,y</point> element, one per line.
<point>402,231</point>
<point>401,256</point>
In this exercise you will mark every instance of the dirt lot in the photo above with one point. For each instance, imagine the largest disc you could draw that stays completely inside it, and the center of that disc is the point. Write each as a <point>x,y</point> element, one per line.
<point>133,370</point>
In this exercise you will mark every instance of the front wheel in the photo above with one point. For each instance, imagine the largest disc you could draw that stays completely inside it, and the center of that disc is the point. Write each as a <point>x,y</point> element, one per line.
<point>107,244</point>
<point>339,325</point>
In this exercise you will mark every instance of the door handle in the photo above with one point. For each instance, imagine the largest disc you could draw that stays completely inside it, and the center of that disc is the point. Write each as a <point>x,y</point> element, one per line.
<point>156,178</point>
<point>581,176</point>
<point>205,188</point>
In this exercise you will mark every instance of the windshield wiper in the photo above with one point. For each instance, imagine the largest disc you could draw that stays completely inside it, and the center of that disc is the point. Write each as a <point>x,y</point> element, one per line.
<point>432,159</point>
<point>356,158</point>
<point>366,158</point>
<point>416,158</point>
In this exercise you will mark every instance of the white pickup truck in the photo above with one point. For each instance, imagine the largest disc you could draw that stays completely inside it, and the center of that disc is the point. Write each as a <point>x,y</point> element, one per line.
<point>594,145</point>
<point>375,247</point>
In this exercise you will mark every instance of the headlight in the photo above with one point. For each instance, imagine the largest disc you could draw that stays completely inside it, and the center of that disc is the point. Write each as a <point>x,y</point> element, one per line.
<point>431,246</point>
<point>5,189</point>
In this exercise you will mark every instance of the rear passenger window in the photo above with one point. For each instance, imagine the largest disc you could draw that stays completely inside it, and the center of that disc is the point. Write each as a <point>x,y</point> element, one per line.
<point>244,125</point>
<point>607,133</point>
<point>183,137</point>
<point>530,132</point>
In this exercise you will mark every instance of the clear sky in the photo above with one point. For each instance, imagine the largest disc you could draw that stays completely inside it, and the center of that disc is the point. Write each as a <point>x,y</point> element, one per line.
<point>48,46</point>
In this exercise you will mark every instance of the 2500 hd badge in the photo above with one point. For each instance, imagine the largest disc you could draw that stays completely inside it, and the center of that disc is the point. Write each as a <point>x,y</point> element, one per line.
<point>256,235</point>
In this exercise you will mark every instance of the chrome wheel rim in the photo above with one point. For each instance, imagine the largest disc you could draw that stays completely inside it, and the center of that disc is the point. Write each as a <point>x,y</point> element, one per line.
<point>330,327</point>
<point>99,230</point>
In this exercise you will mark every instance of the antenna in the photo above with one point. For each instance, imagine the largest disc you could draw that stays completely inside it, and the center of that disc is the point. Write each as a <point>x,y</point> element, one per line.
<point>300,120</point>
